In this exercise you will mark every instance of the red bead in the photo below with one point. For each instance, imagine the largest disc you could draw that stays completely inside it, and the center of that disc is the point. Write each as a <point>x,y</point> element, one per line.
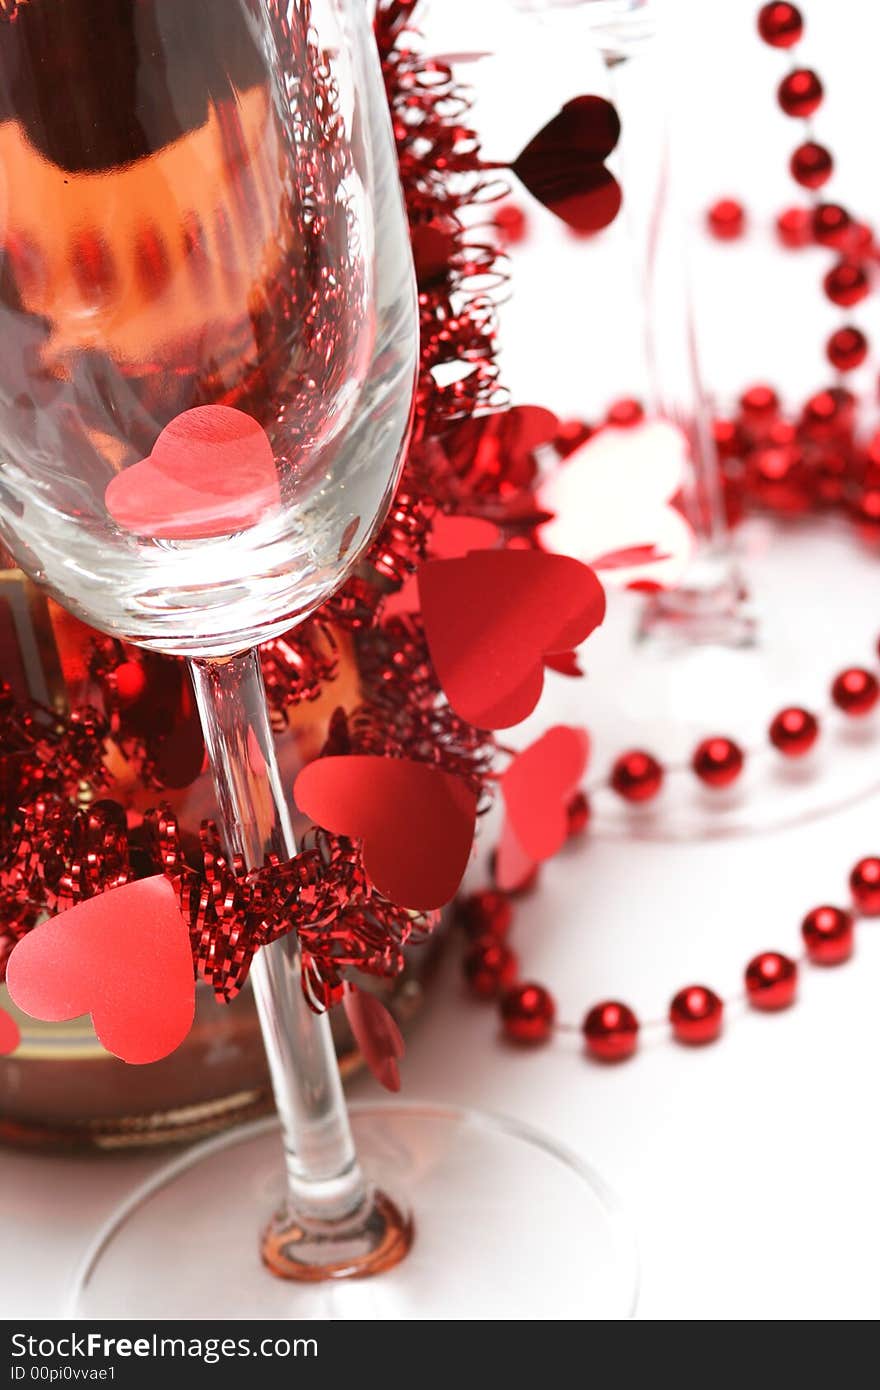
<point>759,403</point>
<point>718,761</point>
<point>828,414</point>
<point>781,433</point>
<point>830,224</point>
<point>625,413</point>
<point>794,227</point>
<point>780,25</point>
<point>512,223</point>
<point>800,92</point>
<point>846,284</point>
<point>528,1013</point>
<point>828,935</point>
<point>794,731</point>
<point>611,1031</point>
<point>778,477</point>
<point>637,776</point>
<point>578,813</point>
<point>726,219</point>
<point>864,882</point>
<point>696,1015</point>
<point>489,967</point>
<point>485,914</point>
<point>846,349</point>
<point>855,691</point>
<point>811,165</point>
<point>771,981</point>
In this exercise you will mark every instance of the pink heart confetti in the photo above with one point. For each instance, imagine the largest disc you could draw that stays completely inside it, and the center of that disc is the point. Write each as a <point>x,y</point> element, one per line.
<point>124,957</point>
<point>211,472</point>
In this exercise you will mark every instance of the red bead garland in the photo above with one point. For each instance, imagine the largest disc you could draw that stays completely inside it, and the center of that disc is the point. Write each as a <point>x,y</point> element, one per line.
<point>828,935</point>
<point>718,761</point>
<point>636,776</point>
<point>611,1031</point>
<point>791,465</point>
<point>797,464</point>
<point>855,691</point>
<point>696,1015</point>
<point>780,25</point>
<point>800,92</point>
<point>771,981</point>
<point>794,731</point>
<point>528,1013</point>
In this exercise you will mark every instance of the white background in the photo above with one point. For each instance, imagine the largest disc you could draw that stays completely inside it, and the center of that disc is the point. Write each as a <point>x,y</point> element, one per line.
<point>749,1169</point>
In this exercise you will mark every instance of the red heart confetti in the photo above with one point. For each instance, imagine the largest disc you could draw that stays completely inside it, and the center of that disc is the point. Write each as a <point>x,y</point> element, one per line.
<point>211,472</point>
<point>566,663</point>
<point>376,1034</point>
<point>538,786</point>
<point>416,821</point>
<point>628,556</point>
<point>513,867</point>
<point>563,165</point>
<point>450,536</point>
<point>433,244</point>
<point>10,1036</point>
<point>492,617</point>
<point>123,956</point>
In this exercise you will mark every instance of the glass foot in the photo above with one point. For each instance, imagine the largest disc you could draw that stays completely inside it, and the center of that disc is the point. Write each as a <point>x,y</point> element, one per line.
<point>505,1225</point>
<point>376,1237</point>
<point>650,685</point>
<point>717,614</point>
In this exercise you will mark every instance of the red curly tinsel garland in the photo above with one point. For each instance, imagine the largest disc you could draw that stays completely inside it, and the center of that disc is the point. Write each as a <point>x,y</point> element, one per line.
<point>63,837</point>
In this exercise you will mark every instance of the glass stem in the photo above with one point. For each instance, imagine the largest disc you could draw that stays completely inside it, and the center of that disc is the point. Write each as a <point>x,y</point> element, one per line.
<point>673,356</point>
<point>324,1179</point>
<point>708,602</point>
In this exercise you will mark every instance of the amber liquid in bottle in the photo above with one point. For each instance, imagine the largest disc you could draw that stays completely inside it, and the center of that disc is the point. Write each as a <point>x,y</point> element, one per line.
<point>155,249</point>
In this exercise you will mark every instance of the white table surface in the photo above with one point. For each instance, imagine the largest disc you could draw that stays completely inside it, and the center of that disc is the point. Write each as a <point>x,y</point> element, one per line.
<point>749,1169</point>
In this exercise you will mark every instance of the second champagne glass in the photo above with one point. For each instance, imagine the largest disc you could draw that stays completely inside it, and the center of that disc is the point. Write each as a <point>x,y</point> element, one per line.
<point>732,642</point>
<point>209,340</point>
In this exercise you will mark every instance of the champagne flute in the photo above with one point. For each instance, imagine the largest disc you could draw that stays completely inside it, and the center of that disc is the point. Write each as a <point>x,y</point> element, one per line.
<point>727,646</point>
<point>209,333</point>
